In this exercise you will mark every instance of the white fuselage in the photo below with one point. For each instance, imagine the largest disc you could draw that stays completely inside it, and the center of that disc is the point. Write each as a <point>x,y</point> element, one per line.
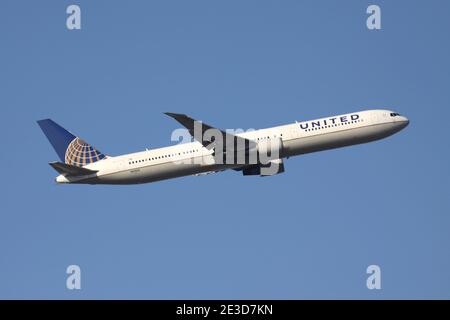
<point>192,158</point>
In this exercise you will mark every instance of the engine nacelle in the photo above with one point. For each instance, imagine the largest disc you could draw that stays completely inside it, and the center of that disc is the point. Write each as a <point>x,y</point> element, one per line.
<point>271,168</point>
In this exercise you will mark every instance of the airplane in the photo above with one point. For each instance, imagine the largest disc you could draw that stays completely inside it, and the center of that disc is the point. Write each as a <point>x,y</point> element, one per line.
<point>220,150</point>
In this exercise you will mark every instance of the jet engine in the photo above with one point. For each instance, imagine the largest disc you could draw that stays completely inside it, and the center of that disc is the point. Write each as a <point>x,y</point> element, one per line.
<point>271,168</point>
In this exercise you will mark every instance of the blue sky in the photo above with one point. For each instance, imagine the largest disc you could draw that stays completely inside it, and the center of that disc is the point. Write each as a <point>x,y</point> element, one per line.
<point>308,233</point>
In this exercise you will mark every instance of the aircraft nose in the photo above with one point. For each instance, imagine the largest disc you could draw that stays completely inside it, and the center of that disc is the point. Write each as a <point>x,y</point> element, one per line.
<point>403,121</point>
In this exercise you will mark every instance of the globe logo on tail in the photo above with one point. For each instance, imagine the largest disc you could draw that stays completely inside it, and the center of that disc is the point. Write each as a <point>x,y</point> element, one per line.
<point>79,153</point>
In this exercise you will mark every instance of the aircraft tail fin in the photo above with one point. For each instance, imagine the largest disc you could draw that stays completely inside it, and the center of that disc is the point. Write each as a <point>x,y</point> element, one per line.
<point>71,149</point>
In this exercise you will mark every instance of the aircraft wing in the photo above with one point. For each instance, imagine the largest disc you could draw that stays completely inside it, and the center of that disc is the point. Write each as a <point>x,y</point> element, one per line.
<point>207,135</point>
<point>70,170</point>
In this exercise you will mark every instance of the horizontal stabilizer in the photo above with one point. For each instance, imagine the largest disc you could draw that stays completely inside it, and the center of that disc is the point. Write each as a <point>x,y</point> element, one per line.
<point>70,170</point>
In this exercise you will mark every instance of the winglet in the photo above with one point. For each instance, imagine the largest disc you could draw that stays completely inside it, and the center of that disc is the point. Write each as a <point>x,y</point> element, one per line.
<point>183,119</point>
<point>210,142</point>
<point>190,124</point>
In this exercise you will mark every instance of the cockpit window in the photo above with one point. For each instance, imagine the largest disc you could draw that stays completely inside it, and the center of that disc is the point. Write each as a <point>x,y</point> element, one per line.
<point>394,114</point>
